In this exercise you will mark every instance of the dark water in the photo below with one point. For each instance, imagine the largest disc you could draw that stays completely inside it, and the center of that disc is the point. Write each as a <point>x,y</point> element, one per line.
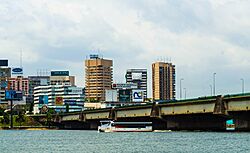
<point>91,141</point>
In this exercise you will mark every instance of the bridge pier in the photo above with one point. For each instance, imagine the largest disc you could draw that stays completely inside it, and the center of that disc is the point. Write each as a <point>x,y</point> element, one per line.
<point>196,122</point>
<point>241,120</point>
<point>93,125</point>
<point>73,125</point>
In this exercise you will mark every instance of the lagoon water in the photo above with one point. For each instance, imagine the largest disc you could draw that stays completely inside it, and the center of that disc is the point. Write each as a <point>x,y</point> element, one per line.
<point>23,141</point>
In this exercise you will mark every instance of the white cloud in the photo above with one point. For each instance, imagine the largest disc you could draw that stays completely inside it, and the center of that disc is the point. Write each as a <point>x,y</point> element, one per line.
<point>201,37</point>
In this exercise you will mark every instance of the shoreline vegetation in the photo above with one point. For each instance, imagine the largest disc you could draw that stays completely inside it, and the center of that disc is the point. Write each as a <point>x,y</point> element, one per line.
<point>27,123</point>
<point>29,128</point>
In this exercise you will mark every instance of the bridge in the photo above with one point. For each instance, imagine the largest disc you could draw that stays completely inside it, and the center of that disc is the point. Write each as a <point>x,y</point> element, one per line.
<point>203,113</point>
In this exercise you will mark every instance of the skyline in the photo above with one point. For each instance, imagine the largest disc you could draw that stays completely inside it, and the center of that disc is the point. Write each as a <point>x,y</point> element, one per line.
<point>201,38</point>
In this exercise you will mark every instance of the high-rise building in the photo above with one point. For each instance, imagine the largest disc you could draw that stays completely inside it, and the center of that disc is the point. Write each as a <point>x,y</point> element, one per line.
<point>139,77</point>
<point>163,80</point>
<point>98,77</point>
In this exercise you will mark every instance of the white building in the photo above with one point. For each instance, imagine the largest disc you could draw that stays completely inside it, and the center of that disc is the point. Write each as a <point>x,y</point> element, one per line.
<point>57,97</point>
<point>61,77</point>
<point>139,77</point>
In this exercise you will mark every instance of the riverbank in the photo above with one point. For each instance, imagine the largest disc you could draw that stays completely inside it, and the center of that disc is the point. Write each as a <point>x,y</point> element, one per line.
<point>28,124</point>
<point>29,128</point>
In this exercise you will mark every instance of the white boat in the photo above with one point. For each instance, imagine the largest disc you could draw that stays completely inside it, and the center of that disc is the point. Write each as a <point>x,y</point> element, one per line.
<point>113,126</point>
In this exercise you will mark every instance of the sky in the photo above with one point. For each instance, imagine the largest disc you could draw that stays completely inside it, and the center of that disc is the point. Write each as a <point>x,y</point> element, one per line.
<point>200,37</point>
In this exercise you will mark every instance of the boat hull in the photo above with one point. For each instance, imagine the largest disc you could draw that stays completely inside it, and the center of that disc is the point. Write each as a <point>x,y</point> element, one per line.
<point>111,126</point>
<point>149,129</point>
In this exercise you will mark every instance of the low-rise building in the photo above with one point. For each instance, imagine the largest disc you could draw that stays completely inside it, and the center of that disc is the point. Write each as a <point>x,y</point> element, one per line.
<point>2,97</point>
<point>58,97</point>
<point>35,81</point>
<point>61,78</point>
<point>19,83</point>
<point>5,73</point>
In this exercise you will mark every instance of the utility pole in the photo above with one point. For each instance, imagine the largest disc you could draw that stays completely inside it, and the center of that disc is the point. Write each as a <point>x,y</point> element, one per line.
<point>11,114</point>
<point>185,92</point>
<point>242,80</point>
<point>181,88</point>
<point>211,90</point>
<point>214,82</point>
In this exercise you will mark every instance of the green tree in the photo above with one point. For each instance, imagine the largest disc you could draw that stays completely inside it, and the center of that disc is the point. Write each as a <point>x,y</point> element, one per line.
<point>6,119</point>
<point>49,117</point>
<point>31,107</point>
<point>1,111</point>
<point>20,118</point>
<point>67,108</point>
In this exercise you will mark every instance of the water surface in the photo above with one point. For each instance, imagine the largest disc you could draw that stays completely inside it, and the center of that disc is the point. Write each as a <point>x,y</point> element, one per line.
<point>24,141</point>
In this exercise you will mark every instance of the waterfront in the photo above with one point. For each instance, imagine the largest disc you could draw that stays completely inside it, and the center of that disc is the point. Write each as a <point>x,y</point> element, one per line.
<point>91,141</point>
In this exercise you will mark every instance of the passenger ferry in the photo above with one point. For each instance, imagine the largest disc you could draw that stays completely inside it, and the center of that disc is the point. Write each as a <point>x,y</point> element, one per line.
<point>112,126</point>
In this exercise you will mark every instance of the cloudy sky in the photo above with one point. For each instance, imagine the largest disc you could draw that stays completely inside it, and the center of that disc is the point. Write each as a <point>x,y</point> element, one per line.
<point>199,36</point>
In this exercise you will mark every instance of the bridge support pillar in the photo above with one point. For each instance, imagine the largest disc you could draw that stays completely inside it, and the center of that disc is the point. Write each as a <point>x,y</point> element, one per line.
<point>241,120</point>
<point>242,125</point>
<point>113,114</point>
<point>220,107</point>
<point>93,125</point>
<point>196,122</point>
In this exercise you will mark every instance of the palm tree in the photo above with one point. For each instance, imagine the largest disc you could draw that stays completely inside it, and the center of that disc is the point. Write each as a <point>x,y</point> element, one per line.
<point>20,118</point>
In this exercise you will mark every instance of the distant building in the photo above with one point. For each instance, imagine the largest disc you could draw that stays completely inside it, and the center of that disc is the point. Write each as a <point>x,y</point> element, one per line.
<point>35,81</point>
<point>57,97</point>
<point>98,77</point>
<point>19,83</point>
<point>128,92</point>
<point>56,78</point>
<point>2,97</point>
<point>123,94</point>
<point>5,74</point>
<point>111,95</point>
<point>61,78</point>
<point>139,77</point>
<point>163,81</point>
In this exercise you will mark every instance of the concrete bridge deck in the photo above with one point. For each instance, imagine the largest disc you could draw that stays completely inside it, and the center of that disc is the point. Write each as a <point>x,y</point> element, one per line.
<point>203,113</point>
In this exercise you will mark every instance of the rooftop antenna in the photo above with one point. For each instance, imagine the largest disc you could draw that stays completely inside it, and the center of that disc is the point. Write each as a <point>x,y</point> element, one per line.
<point>99,53</point>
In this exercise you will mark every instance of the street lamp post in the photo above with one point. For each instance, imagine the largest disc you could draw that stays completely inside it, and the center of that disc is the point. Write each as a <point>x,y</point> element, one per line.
<point>11,114</point>
<point>181,88</point>
<point>214,82</point>
<point>242,80</point>
<point>185,92</point>
<point>211,90</point>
